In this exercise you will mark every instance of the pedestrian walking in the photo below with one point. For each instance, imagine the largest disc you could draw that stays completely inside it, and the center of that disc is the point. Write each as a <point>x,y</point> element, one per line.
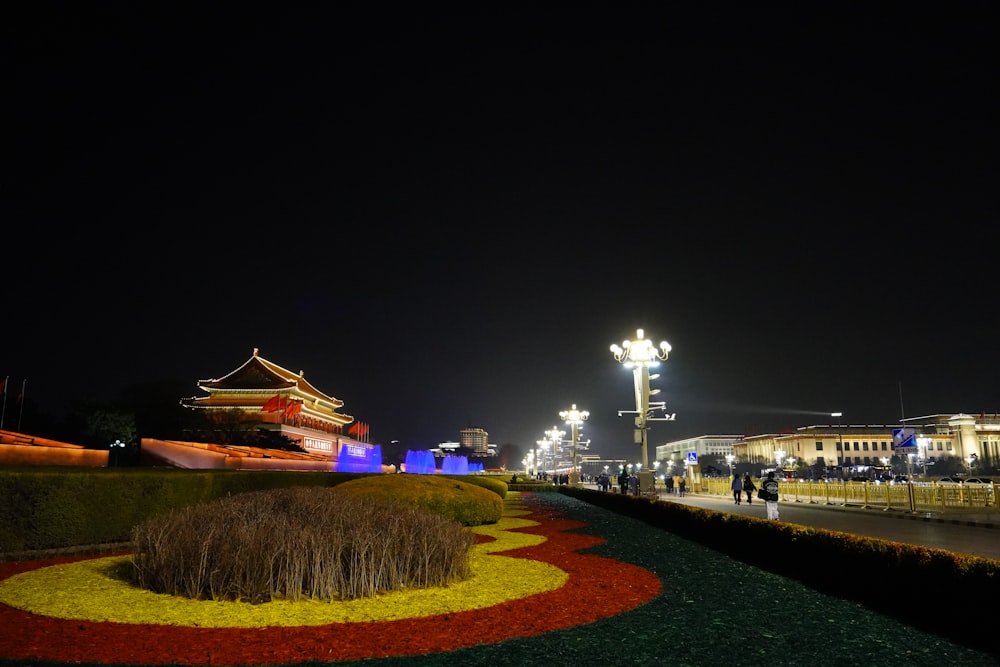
<point>770,491</point>
<point>737,487</point>
<point>749,487</point>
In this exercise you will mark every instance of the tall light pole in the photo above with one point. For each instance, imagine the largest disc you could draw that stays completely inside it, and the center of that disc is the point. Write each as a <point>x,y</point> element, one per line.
<point>924,443</point>
<point>555,436</point>
<point>543,446</point>
<point>575,419</point>
<point>840,441</point>
<point>640,355</point>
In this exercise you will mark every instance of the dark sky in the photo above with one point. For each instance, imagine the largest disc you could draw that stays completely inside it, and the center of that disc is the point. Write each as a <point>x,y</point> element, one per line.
<point>445,216</point>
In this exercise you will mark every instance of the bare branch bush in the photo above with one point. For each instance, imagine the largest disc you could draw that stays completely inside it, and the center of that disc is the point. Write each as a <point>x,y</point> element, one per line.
<point>298,542</point>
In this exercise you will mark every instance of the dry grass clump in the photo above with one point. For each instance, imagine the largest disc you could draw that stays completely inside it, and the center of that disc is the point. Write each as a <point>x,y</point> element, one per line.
<point>294,543</point>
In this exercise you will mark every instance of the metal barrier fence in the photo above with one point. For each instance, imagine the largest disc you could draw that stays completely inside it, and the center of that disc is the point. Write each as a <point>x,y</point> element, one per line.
<point>915,497</point>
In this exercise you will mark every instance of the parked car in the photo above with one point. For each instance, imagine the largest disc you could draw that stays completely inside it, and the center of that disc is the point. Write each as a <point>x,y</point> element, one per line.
<point>979,489</point>
<point>949,481</point>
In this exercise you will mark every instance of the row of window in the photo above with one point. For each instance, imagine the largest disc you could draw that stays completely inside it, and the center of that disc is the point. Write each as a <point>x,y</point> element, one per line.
<point>863,446</point>
<point>860,446</point>
<point>860,460</point>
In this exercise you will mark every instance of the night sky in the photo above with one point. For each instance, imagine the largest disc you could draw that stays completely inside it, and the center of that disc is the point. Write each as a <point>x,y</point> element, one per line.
<point>445,215</point>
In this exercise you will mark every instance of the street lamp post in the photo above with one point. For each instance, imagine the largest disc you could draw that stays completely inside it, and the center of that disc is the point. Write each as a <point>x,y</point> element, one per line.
<point>729,459</point>
<point>543,448</point>
<point>555,437</point>
<point>575,419</point>
<point>640,355</point>
<point>840,440</point>
<point>779,456</point>
<point>923,443</point>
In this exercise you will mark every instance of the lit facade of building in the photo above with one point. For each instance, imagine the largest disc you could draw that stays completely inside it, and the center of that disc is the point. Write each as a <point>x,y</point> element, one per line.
<point>475,439</point>
<point>703,445</point>
<point>864,445</point>
<point>276,399</point>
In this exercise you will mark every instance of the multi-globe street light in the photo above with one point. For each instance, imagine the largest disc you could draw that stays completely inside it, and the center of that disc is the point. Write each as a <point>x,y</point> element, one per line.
<point>640,355</point>
<point>555,437</point>
<point>543,446</point>
<point>574,418</point>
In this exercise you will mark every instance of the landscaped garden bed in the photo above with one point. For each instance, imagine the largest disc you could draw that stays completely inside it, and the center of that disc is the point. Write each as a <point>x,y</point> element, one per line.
<point>634,595</point>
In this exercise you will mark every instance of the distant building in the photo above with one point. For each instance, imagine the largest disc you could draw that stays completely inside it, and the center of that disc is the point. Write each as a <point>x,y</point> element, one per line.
<point>592,466</point>
<point>856,448</point>
<point>702,446</point>
<point>472,440</point>
<point>477,440</point>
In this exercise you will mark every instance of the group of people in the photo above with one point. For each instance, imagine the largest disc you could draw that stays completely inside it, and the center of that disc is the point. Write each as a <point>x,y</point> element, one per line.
<point>768,492</point>
<point>628,483</point>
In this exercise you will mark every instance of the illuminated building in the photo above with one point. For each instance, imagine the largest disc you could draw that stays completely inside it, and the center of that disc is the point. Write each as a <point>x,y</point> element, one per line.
<point>264,395</point>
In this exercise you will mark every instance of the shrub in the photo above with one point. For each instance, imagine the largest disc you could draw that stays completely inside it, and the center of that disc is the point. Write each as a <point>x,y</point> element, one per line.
<point>794,551</point>
<point>497,486</point>
<point>298,543</point>
<point>468,504</point>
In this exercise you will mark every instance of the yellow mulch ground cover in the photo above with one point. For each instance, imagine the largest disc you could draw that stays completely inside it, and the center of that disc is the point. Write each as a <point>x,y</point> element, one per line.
<point>529,577</point>
<point>91,590</point>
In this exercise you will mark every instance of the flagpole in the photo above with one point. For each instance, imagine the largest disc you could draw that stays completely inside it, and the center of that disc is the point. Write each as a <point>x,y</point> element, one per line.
<point>21,398</point>
<point>4,413</point>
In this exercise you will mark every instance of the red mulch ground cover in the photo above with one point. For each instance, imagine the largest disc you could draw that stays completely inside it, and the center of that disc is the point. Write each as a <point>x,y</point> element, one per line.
<point>585,598</point>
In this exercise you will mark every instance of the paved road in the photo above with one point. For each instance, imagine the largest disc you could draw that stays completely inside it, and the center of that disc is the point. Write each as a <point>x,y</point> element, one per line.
<point>977,534</point>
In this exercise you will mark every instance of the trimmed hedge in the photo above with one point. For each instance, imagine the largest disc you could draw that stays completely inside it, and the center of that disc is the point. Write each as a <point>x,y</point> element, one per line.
<point>56,508</point>
<point>53,508</point>
<point>468,504</point>
<point>833,562</point>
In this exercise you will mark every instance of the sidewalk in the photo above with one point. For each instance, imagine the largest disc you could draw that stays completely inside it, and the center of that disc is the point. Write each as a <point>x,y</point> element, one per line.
<point>964,517</point>
<point>967,532</point>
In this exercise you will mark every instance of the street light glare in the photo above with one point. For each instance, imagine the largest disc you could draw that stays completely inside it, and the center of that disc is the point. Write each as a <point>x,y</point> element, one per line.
<point>575,419</point>
<point>639,356</point>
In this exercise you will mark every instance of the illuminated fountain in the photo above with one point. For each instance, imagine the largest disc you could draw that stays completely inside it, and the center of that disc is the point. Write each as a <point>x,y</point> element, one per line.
<point>420,463</point>
<point>357,458</point>
<point>455,465</point>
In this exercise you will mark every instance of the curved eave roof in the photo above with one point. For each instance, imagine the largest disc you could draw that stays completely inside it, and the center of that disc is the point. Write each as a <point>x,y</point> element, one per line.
<point>259,374</point>
<point>308,408</point>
